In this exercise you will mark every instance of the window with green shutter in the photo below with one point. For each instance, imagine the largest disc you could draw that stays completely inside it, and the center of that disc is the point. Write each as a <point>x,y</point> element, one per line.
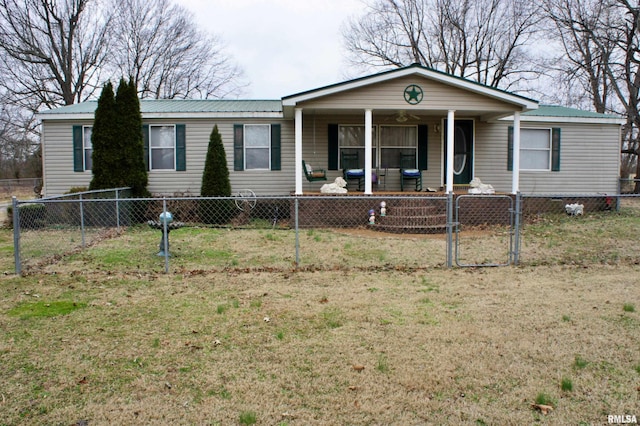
<point>539,149</point>
<point>82,148</point>
<point>165,147</point>
<point>257,147</point>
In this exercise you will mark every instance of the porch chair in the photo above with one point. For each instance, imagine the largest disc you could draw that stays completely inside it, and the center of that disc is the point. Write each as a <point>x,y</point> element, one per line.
<point>351,169</point>
<point>409,172</point>
<point>312,174</point>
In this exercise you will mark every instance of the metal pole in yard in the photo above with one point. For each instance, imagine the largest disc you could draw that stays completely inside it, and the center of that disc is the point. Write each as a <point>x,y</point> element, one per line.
<point>82,220</point>
<point>516,246</point>
<point>297,234</point>
<point>16,234</point>
<point>165,236</point>
<point>117,210</point>
<point>450,230</point>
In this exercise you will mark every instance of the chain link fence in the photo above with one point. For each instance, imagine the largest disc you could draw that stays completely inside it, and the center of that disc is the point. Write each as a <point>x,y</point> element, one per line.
<point>115,233</point>
<point>580,229</point>
<point>629,186</point>
<point>20,185</point>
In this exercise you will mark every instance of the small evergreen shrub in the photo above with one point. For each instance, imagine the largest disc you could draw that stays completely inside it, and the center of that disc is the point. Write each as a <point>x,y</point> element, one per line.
<point>215,183</point>
<point>32,216</point>
<point>76,189</point>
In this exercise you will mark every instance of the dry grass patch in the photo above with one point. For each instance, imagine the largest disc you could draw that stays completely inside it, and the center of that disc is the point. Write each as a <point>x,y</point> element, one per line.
<point>370,330</point>
<point>339,347</point>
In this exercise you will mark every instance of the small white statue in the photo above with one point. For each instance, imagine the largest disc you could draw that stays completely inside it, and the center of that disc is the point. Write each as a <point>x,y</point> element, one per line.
<point>337,187</point>
<point>477,187</point>
<point>383,208</point>
<point>574,209</point>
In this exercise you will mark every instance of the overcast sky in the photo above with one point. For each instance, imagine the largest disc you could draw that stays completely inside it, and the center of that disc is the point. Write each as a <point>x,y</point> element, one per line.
<point>283,46</point>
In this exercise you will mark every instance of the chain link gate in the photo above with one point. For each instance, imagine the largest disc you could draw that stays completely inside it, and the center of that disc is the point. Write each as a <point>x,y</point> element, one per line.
<point>478,217</point>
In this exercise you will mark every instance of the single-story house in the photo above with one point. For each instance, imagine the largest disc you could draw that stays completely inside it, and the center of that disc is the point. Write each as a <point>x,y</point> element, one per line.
<point>450,129</point>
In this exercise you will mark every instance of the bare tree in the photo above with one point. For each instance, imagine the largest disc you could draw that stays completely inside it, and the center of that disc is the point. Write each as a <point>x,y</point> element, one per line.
<point>57,52</point>
<point>52,51</point>
<point>17,142</point>
<point>586,50</point>
<point>600,41</point>
<point>159,46</point>
<point>483,40</point>
<point>51,54</point>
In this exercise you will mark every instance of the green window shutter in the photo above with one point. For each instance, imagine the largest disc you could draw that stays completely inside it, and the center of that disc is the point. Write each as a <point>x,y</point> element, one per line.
<point>145,143</point>
<point>510,149</point>
<point>181,147</point>
<point>238,147</point>
<point>275,146</point>
<point>333,147</point>
<point>555,149</point>
<point>423,138</point>
<point>78,149</point>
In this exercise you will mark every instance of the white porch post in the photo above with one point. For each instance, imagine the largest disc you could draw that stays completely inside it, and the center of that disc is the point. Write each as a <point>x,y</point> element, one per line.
<point>515,178</point>
<point>368,146</point>
<point>298,150</point>
<point>451,116</point>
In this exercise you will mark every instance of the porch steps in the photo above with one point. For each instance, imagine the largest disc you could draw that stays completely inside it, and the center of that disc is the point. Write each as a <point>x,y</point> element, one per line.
<point>402,219</point>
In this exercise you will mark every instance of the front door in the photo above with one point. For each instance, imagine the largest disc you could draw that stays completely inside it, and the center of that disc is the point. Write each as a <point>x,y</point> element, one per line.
<point>463,152</point>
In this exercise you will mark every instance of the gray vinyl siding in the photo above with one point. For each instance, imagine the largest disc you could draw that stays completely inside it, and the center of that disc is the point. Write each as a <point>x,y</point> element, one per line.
<point>59,176</point>
<point>589,159</point>
<point>390,95</point>
<point>262,182</point>
<point>589,156</point>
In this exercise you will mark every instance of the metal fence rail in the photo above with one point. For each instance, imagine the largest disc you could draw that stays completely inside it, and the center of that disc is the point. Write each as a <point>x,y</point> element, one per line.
<point>312,231</point>
<point>10,185</point>
<point>580,229</point>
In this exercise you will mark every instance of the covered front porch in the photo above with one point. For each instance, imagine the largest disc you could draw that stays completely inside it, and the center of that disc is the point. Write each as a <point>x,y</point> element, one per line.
<point>448,127</point>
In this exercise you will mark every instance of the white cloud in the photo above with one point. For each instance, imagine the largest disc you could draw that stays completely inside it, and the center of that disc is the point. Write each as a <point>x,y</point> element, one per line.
<point>283,46</point>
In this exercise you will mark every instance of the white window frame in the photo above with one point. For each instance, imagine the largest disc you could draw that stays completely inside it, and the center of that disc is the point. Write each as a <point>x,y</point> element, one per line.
<point>403,148</point>
<point>87,148</point>
<point>524,150</point>
<point>266,148</point>
<point>376,139</point>
<point>351,148</point>
<point>152,148</point>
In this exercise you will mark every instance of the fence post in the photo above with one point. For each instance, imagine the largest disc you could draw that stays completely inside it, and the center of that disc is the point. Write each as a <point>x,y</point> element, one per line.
<point>450,230</point>
<point>117,210</point>
<point>82,220</point>
<point>165,236</point>
<point>517,224</point>
<point>16,235</point>
<point>297,233</point>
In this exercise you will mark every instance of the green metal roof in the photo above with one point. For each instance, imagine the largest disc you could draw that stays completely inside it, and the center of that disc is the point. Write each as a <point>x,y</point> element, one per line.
<point>565,112</point>
<point>150,106</point>
<point>214,106</point>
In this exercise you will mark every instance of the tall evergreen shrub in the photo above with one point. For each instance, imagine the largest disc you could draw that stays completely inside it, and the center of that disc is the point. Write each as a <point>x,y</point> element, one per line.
<point>129,129</point>
<point>118,147</point>
<point>104,140</point>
